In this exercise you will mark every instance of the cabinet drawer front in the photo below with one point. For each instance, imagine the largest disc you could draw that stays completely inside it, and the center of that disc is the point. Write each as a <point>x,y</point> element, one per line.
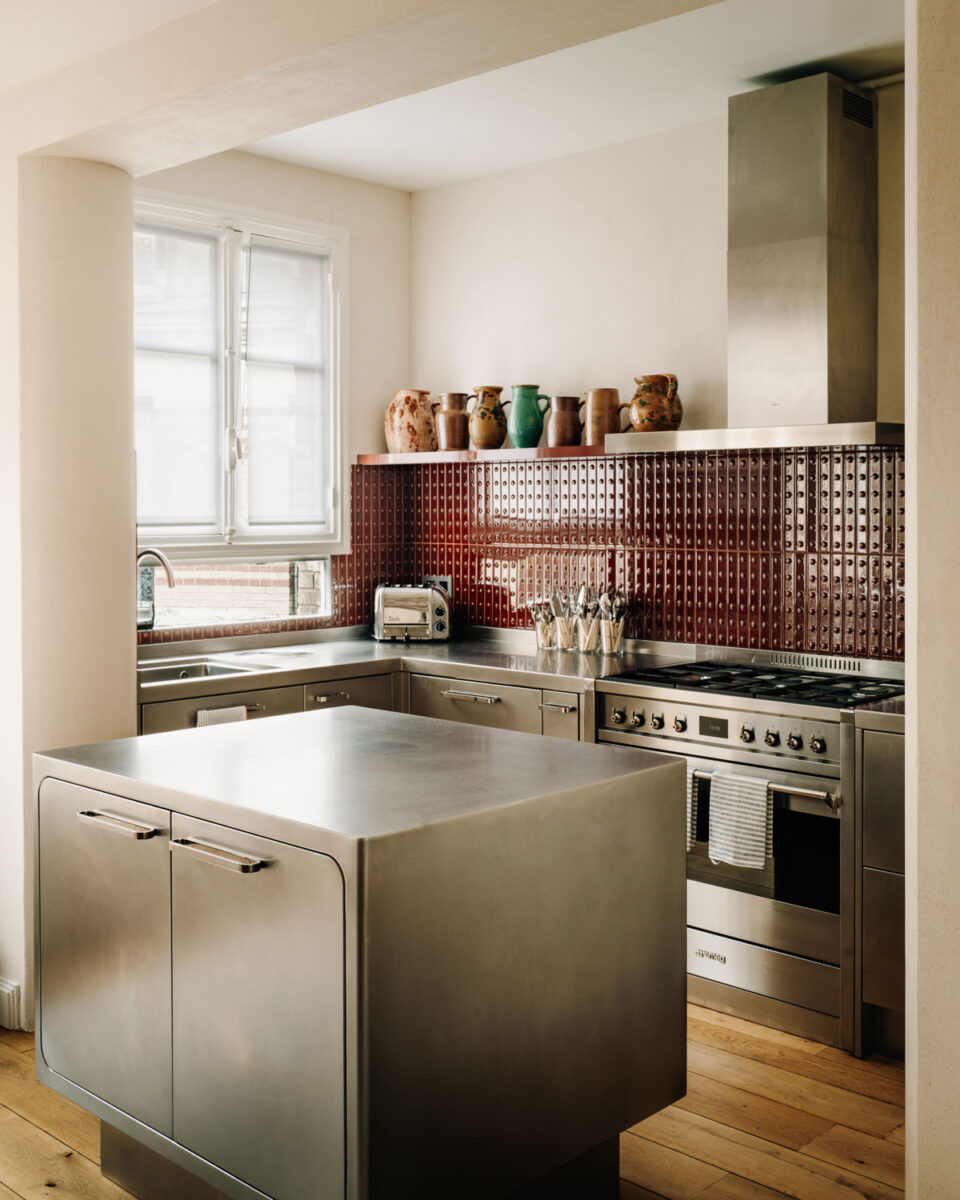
<point>182,714</point>
<point>500,707</point>
<point>561,715</point>
<point>768,972</point>
<point>883,789</point>
<point>369,691</point>
<point>883,939</point>
<point>105,947</point>
<point>258,1003</point>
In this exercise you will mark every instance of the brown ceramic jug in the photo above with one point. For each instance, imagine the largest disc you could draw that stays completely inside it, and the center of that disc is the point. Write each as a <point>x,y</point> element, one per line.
<point>602,415</point>
<point>563,423</point>
<point>655,404</point>
<point>409,424</point>
<point>450,414</point>
<point>488,421</point>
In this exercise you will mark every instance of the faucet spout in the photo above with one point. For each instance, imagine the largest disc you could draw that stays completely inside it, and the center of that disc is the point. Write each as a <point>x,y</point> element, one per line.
<point>150,552</point>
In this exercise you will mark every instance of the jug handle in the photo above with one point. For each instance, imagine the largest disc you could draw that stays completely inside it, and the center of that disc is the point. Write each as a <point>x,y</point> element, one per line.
<point>546,405</point>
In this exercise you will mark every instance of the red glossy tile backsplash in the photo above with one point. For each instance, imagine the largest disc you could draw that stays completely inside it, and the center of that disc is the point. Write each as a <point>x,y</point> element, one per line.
<point>773,549</point>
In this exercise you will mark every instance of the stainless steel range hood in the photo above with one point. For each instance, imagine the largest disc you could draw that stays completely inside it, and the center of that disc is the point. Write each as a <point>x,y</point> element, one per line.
<point>801,274</point>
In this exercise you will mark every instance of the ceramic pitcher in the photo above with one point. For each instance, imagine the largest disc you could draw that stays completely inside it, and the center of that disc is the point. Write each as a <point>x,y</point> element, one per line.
<point>563,423</point>
<point>603,414</point>
<point>525,422</point>
<point>409,424</point>
<point>488,422</point>
<point>450,413</point>
<point>655,404</point>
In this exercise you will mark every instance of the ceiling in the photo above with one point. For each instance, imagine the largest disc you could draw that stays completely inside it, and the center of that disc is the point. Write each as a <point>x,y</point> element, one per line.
<point>41,36</point>
<point>630,85</point>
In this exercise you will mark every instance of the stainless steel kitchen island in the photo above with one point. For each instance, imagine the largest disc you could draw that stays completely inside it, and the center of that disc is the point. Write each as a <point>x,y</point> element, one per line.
<point>362,954</point>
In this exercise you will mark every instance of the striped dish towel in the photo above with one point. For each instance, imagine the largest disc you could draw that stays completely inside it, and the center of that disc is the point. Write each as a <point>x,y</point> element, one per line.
<point>741,821</point>
<point>221,716</point>
<point>693,796</point>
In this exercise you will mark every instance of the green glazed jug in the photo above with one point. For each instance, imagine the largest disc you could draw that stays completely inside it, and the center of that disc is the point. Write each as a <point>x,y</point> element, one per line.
<point>525,419</point>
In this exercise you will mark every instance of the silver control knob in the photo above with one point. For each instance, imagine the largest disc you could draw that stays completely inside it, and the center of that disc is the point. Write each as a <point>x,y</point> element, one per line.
<point>618,716</point>
<point>818,744</point>
<point>637,719</point>
<point>772,738</point>
<point>746,733</point>
<point>680,724</point>
<point>795,741</point>
<point>657,720</point>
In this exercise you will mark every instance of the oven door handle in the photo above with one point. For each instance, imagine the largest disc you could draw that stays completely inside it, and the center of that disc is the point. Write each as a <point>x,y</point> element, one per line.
<point>831,799</point>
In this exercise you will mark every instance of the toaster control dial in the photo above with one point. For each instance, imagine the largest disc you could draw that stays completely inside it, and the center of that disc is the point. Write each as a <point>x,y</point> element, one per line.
<point>772,738</point>
<point>438,611</point>
<point>657,720</point>
<point>440,626</point>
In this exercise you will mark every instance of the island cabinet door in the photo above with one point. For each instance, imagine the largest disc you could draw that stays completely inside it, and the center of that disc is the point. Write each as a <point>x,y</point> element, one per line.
<point>258,1003</point>
<point>104,920</point>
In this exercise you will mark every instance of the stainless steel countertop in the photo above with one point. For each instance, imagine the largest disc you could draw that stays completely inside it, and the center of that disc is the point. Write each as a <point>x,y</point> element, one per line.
<point>884,716</point>
<point>355,773</point>
<point>286,666</point>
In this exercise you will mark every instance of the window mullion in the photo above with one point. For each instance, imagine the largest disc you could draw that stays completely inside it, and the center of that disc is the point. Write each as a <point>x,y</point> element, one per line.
<point>232,278</point>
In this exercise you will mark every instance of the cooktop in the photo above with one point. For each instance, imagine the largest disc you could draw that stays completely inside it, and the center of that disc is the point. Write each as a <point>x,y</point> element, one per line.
<point>766,683</point>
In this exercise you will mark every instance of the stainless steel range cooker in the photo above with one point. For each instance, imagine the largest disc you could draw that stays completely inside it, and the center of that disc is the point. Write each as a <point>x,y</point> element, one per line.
<point>774,944</point>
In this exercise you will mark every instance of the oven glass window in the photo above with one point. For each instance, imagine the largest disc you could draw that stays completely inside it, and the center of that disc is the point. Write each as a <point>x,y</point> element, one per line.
<point>804,869</point>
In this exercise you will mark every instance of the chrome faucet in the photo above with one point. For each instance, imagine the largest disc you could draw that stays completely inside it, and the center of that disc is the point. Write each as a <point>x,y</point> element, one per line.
<point>146,606</point>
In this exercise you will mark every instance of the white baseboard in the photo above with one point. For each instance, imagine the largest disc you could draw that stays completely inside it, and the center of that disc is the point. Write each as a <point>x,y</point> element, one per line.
<point>9,1004</point>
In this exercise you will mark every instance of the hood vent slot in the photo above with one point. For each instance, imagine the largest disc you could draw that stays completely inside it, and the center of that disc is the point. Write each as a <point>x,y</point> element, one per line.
<point>857,108</point>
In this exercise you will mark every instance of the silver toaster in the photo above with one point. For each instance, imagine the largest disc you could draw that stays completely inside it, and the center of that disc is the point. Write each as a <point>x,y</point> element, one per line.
<point>405,613</point>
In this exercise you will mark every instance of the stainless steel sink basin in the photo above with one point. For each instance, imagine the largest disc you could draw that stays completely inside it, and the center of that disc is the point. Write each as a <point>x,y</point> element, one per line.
<point>193,668</point>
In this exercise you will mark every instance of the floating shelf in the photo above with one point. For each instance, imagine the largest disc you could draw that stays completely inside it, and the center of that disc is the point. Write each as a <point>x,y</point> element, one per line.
<point>859,433</point>
<point>470,456</point>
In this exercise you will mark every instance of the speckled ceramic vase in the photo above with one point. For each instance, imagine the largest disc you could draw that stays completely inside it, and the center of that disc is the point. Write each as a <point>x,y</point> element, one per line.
<point>409,423</point>
<point>488,421</point>
<point>655,404</point>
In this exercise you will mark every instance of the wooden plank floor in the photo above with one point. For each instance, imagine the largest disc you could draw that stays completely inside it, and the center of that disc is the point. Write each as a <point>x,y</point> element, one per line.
<point>766,1116</point>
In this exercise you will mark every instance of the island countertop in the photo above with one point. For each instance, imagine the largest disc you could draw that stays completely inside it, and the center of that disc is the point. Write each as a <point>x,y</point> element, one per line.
<point>352,772</point>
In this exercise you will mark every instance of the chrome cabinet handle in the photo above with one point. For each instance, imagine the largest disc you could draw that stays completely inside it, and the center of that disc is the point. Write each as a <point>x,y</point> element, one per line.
<point>217,856</point>
<point>564,708</point>
<point>130,829</point>
<point>323,697</point>
<point>256,708</point>
<point>474,696</point>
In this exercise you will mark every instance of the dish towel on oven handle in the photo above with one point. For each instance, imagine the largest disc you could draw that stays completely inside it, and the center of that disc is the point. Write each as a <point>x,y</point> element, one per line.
<point>693,799</point>
<point>741,820</point>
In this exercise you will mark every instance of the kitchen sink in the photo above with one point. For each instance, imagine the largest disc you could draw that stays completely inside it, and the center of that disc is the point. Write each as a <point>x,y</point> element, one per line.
<point>194,668</point>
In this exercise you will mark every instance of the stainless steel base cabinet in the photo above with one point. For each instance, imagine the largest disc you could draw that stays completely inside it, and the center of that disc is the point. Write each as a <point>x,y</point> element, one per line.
<point>496,705</point>
<point>258,1009</point>
<point>368,691</point>
<point>104,883</point>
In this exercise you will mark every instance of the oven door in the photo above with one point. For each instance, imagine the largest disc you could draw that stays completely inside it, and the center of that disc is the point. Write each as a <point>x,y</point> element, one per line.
<point>793,903</point>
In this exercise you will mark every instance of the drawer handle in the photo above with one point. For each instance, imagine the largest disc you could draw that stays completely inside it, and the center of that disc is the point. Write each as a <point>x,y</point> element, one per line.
<point>323,697</point>
<point>243,864</point>
<point>130,829</point>
<point>474,696</point>
<point>564,708</point>
<point>256,708</point>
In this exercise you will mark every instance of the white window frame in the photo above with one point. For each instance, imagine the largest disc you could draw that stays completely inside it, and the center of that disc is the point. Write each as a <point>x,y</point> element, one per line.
<point>233,226</point>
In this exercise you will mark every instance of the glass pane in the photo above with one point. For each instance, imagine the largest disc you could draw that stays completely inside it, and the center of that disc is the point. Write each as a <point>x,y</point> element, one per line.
<point>213,593</point>
<point>282,475</point>
<point>174,291</point>
<point>177,432</point>
<point>284,306</point>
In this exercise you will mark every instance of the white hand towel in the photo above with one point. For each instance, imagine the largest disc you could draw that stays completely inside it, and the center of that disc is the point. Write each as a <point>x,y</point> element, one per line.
<point>221,716</point>
<point>693,796</point>
<point>741,821</point>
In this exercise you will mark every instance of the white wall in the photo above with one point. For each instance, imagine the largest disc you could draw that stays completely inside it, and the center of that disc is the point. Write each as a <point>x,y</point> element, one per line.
<point>378,221</point>
<point>580,272</point>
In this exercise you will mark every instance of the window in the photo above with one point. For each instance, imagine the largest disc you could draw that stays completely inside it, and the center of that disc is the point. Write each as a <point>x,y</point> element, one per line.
<point>238,379</point>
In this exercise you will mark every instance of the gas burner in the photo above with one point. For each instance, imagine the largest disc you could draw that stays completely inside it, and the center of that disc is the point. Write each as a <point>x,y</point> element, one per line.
<point>766,683</point>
